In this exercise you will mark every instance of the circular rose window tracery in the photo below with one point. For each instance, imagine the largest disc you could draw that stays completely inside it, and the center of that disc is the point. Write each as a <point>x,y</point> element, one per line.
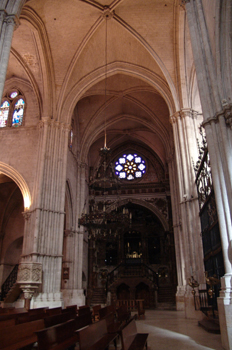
<point>130,167</point>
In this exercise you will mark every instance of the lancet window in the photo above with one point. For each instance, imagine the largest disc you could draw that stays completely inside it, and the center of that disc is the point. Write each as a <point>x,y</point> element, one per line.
<point>12,109</point>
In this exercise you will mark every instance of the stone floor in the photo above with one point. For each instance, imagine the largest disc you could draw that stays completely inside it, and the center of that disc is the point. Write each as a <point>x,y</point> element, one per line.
<point>171,330</point>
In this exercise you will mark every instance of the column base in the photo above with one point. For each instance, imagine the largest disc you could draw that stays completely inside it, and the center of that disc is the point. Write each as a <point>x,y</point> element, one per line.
<point>73,297</point>
<point>180,299</point>
<point>50,300</point>
<point>225,311</point>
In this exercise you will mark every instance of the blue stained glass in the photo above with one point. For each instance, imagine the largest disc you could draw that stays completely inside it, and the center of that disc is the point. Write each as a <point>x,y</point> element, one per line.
<point>122,160</point>
<point>4,112</point>
<point>122,175</point>
<point>130,177</point>
<point>119,167</point>
<point>138,159</point>
<point>130,157</point>
<point>18,113</point>
<point>141,166</point>
<point>138,174</point>
<point>13,94</point>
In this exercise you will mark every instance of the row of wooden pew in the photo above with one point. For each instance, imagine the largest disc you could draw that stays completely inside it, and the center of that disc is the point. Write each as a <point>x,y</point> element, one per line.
<point>59,329</point>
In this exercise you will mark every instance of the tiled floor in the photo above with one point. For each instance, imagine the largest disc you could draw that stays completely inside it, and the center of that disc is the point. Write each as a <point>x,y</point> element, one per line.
<point>171,330</point>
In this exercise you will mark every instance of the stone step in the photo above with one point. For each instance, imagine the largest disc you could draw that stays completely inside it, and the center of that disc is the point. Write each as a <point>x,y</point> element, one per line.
<point>210,325</point>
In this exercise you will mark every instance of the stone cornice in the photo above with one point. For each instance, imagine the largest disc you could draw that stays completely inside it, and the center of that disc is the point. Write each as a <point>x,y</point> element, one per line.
<point>54,123</point>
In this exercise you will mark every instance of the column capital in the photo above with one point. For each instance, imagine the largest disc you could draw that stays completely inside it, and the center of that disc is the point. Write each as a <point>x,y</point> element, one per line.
<point>226,112</point>
<point>12,20</point>
<point>184,112</point>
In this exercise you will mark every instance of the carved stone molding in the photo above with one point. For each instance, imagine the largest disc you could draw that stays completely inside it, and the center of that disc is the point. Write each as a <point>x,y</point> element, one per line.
<point>30,273</point>
<point>226,112</point>
<point>185,112</point>
<point>12,20</point>
<point>26,215</point>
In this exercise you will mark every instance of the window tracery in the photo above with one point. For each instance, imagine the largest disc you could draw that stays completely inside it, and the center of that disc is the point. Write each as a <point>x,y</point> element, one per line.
<point>130,166</point>
<point>12,109</point>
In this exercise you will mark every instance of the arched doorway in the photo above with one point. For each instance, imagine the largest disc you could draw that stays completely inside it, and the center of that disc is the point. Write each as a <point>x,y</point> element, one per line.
<point>11,227</point>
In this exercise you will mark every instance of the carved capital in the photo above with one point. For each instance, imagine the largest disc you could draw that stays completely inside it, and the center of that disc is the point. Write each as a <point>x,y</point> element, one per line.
<point>12,20</point>
<point>3,15</point>
<point>28,290</point>
<point>26,215</point>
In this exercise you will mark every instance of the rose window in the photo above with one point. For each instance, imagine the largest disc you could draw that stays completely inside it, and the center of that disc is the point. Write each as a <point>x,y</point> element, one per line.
<point>130,167</point>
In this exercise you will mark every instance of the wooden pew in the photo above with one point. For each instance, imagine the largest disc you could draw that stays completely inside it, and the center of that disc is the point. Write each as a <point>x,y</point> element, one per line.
<point>95,337</point>
<point>41,310</point>
<point>95,313</point>
<point>70,307</point>
<point>57,319</point>
<point>123,314</point>
<point>7,323</point>
<point>83,310</point>
<point>141,310</point>
<point>131,340</point>
<point>103,312</point>
<point>83,321</point>
<point>54,311</point>
<point>8,316</point>
<point>58,337</point>
<point>15,337</point>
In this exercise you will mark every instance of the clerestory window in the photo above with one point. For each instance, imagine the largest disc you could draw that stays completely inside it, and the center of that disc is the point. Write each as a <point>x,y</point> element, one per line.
<point>130,166</point>
<point>12,109</point>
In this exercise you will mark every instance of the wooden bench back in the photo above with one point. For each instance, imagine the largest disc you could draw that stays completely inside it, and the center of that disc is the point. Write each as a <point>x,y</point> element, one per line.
<point>54,311</point>
<point>103,312</point>
<point>20,335</point>
<point>123,314</point>
<point>56,319</point>
<point>128,334</point>
<point>109,319</point>
<point>37,311</point>
<point>70,307</point>
<point>8,316</point>
<point>83,310</point>
<point>83,321</point>
<point>53,337</point>
<point>7,323</point>
<point>92,334</point>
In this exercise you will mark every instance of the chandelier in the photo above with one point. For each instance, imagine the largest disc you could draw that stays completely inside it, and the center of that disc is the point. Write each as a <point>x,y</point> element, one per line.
<point>101,221</point>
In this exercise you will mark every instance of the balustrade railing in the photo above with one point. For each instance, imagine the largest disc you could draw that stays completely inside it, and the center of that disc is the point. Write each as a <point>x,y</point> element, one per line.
<point>9,282</point>
<point>124,270</point>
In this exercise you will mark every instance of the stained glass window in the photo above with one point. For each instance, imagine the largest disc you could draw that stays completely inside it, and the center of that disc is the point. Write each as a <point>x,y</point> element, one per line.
<point>12,109</point>
<point>4,112</point>
<point>18,113</point>
<point>130,167</point>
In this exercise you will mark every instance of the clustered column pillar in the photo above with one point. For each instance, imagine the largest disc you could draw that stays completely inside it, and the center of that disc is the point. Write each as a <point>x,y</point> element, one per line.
<point>7,25</point>
<point>43,238</point>
<point>188,229</point>
<point>216,95</point>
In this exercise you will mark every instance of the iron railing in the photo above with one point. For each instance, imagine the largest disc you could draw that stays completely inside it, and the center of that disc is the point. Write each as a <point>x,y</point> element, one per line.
<point>9,282</point>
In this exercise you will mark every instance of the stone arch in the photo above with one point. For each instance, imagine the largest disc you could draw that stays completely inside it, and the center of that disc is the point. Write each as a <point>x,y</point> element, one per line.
<point>19,180</point>
<point>96,76</point>
<point>142,203</point>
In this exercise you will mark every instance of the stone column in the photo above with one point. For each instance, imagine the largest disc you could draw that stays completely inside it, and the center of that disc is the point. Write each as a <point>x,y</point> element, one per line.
<point>73,291</point>
<point>8,24</point>
<point>187,228</point>
<point>43,236</point>
<point>216,96</point>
